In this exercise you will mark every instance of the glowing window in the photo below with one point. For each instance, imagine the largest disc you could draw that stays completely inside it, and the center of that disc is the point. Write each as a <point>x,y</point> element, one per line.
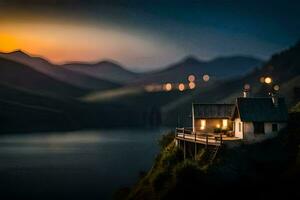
<point>225,123</point>
<point>203,124</point>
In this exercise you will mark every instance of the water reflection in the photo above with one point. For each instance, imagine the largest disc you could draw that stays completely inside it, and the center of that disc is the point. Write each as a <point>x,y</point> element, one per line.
<point>83,164</point>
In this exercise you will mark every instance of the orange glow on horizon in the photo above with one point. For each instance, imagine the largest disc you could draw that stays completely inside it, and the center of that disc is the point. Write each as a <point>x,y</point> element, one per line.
<point>8,42</point>
<point>60,41</point>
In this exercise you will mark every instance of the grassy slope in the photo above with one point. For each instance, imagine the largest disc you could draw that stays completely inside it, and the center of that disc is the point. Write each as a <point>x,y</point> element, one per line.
<point>267,169</point>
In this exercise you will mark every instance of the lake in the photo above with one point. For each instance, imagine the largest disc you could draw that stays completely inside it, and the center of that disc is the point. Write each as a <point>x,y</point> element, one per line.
<point>74,165</point>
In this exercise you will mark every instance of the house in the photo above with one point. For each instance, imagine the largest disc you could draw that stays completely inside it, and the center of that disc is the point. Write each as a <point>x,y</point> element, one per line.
<point>249,119</point>
<point>255,119</point>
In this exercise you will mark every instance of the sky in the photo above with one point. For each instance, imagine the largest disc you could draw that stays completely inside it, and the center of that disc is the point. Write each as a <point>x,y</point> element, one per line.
<point>145,35</point>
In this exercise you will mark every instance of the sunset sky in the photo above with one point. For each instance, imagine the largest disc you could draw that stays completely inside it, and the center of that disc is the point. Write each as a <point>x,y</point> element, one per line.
<point>145,35</point>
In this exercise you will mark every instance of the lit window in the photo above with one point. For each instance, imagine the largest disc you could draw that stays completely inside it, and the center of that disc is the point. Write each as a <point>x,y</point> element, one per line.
<point>203,124</point>
<point>225,123</point>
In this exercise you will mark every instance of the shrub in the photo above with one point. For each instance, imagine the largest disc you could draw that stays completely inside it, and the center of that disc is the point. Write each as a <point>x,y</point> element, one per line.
<point>188,173</point>
<point>171,157</point>
<point>166,139</point>
<point>160,179</point>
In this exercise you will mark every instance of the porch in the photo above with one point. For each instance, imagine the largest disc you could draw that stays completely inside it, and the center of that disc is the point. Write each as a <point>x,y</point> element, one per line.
<point>208,139</point>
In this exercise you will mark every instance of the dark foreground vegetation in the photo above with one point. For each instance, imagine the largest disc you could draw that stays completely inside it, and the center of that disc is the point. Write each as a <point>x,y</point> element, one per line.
<point>258,171</point>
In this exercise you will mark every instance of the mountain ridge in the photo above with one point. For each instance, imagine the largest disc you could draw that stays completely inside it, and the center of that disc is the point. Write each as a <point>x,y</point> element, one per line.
<point>59,73</point>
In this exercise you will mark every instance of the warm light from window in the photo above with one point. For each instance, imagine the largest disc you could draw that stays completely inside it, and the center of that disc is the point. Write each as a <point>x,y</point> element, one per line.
<point>181,87</point>
<point>202,124</point>
<point>225,123</point>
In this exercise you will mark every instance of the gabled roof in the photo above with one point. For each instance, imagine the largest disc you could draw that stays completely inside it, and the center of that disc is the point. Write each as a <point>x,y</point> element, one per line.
<point>206,111</point>
<point>261,110</point>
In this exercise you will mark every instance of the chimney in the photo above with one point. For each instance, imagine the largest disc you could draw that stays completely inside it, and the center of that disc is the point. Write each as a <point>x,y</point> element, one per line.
<point>274,99</point>
<point>245,93</point>
<point>246,90</point>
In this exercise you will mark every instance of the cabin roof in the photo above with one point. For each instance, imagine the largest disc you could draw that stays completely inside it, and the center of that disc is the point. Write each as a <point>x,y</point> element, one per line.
<point>207,111</point>
<point>261,110</point>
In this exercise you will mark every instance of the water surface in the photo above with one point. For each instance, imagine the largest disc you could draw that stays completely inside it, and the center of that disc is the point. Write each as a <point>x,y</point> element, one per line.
<point>74,165</point>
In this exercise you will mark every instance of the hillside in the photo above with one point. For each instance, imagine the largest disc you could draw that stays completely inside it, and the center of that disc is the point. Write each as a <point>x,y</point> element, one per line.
<point>20,75</point>
<point>262,168</point>
<point>60,73</point>
<point>219,68</point>
<point>106,70</point>
<point>282,67</point>
<point>148,108</point>
<point>174,107</point>
<point>25,110</point>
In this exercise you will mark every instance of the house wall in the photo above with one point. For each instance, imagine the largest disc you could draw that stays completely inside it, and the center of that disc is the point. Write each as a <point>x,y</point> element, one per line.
<point>251,137</point>
<point>238,133</point>
<point>211,124</point>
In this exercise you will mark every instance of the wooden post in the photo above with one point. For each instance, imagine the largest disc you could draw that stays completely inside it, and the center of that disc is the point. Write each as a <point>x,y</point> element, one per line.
<point>221,139</point>
<point>183,133</point>
<point>193,118</point>
<point>195,145</point>
<point>206,140</point>
<point>184,151</point>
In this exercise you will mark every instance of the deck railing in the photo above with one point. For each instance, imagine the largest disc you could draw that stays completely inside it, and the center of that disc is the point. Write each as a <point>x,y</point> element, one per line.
<point>187,134</point>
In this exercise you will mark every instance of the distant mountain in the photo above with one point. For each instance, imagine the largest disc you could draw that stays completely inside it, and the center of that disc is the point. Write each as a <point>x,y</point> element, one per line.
<point>106,70</point>
<point>219,68</point>
<point>283,68</point>
<point>19,75</point>
<point>60,73</point>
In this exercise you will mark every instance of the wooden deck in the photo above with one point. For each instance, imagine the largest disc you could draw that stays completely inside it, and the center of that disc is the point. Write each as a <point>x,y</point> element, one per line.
<point>211,139</point>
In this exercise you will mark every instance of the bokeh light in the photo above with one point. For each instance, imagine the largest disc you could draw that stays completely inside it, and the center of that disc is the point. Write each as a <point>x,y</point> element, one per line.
<point>276,87</point>
<point>192,85</point>
<point>192,78</point>
<point>153,88</point>
<point>168,86</point>
<point>247,86</point>
<point>206,77</point>
<point>268,80</point>
<point>181,87</point>
<point>262,79</point>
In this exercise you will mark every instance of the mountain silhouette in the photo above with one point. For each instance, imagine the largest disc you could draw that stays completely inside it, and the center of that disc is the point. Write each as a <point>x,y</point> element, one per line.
<point>60,73</point>
<point>106,70</point>
<point>219,68</point>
